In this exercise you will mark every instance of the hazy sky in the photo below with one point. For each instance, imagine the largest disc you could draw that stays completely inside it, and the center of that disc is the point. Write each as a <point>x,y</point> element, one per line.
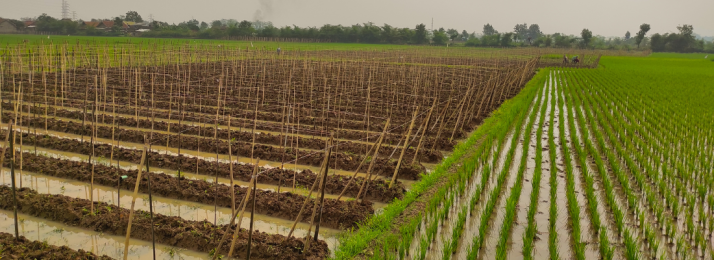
<point>603,17</point>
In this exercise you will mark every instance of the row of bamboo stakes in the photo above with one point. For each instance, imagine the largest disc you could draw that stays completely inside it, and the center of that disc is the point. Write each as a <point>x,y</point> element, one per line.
<point>464,108</point>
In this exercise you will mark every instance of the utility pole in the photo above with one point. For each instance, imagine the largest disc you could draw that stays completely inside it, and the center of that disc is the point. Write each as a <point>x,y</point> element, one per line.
<point>151,18</point>
<point>432,24</point>
<point>74,16</point>
<point>65,9</point>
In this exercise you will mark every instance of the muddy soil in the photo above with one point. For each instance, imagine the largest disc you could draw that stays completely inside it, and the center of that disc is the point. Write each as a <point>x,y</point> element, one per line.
<point>343,161</point>
<point>246,121</point>
<point>377,189</point>
<point>336,214</point>
<point>194,235</point>
<point>30,250</point>
<point>243,137</point>
<point>331,120</point>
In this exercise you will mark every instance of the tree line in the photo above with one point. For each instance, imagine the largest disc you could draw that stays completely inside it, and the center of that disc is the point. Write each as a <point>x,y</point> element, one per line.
<point>521,35</point>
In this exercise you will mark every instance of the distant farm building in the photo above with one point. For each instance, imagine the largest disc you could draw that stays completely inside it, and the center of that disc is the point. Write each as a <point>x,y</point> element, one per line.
<point>7,27</point>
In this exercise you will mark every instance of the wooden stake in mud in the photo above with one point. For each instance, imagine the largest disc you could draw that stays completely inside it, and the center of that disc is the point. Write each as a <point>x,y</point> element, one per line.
<point>91,183</point>
<point>404,149</point>
<point>12,176</point>
<point>230,166</point>
<point>379,141</point>
<point>322,205</point>
<point>254,182</point>
<point>151,206</point>
<point>322,191</point>
<point>252,213</point>
<point>323,170</point>
<point>133,202</point>
<point>423,133</point>
<point>371,164</point>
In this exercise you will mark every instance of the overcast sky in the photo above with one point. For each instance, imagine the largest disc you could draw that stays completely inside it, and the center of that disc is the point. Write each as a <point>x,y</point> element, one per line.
<point>603,17</point>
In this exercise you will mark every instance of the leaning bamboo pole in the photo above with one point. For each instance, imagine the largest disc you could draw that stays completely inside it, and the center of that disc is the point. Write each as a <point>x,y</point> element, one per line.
<point>366,157</point>
<point>374,159</point>
<point>322,197</point>
<point>133,200</point>
<point>404,149</point>
<point>254,182</point>
<point>323,170</point>
<point>423,133</point>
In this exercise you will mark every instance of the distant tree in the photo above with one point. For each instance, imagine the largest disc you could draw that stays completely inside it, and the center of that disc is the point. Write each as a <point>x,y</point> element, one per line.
<point>627,35</point>
<point>506,39</point>
<point>657,42</point>
<point>118,22</point>
<point>644,28</point>
<point>473,42</point>
<point>464,35</point>
<point>245,28</point>
<point>216,24</point>
<point>204,26</point>
<point>534,31</point>
<point>586,35</point>
<point>133,16</point>
<point>440,38</point>
<point>420,34</point>
<point>269,31</point>
<point>520,31</point>
<point>453,34</point>
<point>491,40</point>
<point>193,25</point>
<point>488,30</point>
<point>441,30</point>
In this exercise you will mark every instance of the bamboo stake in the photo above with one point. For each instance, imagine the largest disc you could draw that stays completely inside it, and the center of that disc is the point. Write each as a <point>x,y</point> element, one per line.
<point>423,133</point>
<point>322,206</point>
<point>354,175</point>
<point>254,182</point>
<point>323,170</point>
<point>322,191</point>
<point>91,184</point>
<point>374,159</point>
<point>12,177</point>
<point>133,201</point>
<point>252,213</point>
<point>404,149</point>
<point>230,161</point>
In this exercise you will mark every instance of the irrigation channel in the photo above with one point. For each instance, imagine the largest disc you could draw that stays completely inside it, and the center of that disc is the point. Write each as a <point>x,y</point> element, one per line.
<point>116,147</point>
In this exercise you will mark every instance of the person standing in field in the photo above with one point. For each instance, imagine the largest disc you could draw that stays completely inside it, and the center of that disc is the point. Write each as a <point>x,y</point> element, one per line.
<point>278,50</point>
<point>565,59</point>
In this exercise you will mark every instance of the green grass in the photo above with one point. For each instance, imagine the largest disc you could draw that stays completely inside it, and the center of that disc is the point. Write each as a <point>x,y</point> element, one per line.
<point>672,55</point>
<point>11,39</point>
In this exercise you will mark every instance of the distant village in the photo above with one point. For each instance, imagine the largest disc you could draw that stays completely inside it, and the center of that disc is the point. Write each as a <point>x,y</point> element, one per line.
<point>48,25</point>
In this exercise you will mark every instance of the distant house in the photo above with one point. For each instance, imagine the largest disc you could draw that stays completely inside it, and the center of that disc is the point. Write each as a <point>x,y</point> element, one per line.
<point>90,24</point>
<point>30,26</point>
<point>7,27</point>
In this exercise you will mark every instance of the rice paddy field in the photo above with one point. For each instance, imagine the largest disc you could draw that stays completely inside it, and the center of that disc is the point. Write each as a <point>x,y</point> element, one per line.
<point>201,151</point>
<point>606,163</point>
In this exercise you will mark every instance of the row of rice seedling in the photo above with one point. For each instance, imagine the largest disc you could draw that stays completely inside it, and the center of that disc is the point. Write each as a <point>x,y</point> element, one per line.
<point>573,207</point>
<point>553,182</point>
<point>651,235</point>
<point>531,230</point>
<point>608,187</point>
<point>491,201</point>
<point>512,200</point>
<point>597,224</point>
<point>640,163</point>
